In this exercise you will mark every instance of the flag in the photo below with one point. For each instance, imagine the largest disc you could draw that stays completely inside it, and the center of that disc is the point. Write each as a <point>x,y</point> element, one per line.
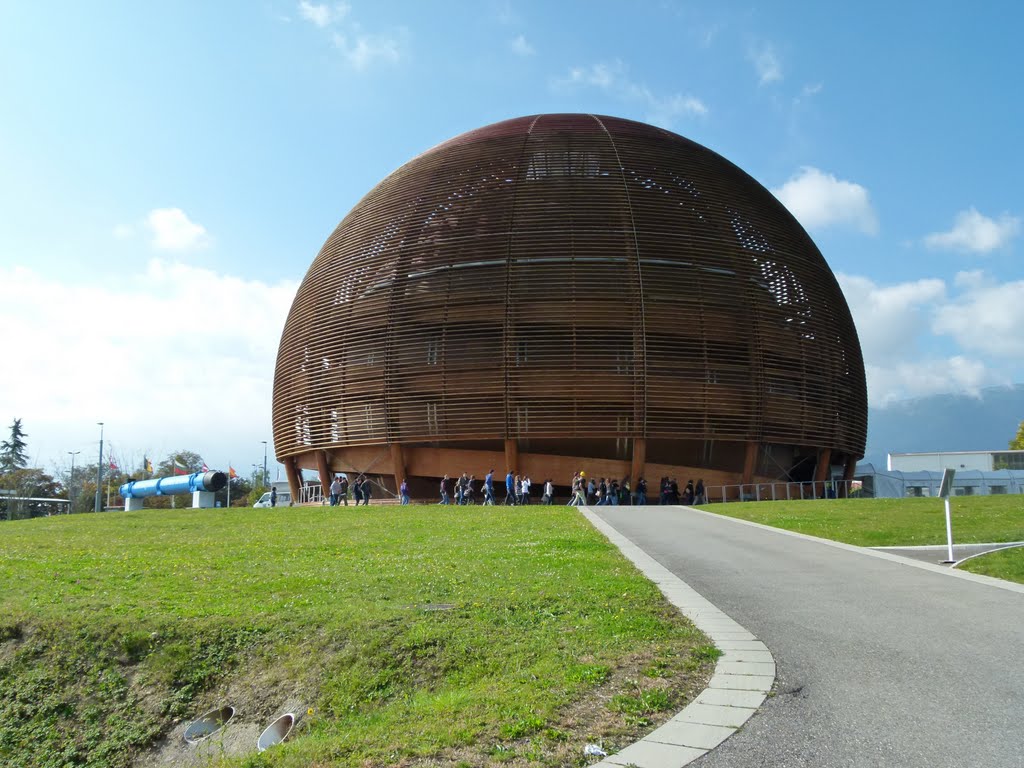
<point>147,465</point>
<point>231,472</point>
<point>205,468</point>
<point>178,468</point>
<point>113,466</point>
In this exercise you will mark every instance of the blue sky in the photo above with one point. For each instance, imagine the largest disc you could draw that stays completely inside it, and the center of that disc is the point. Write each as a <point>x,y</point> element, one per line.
<point>169,171</point>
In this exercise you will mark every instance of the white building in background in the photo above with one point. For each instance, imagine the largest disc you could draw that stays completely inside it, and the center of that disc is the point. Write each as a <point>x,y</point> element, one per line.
<point>981,461</point>
<point>978,473</point>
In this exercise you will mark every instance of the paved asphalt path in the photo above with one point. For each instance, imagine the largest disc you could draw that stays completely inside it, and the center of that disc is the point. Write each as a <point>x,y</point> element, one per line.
<point>938,554</point>
<point>879,663</point>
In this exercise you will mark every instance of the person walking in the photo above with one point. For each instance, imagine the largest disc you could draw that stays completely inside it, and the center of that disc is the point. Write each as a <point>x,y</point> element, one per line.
<point>335,491</point>
<point>527,484</point>
<point>641,492</point>
<point>367,490</point>
<point>444,491</point>
<point>273,497</point>
<point>357,489</point>
<point>344,490</point>
<point>573,487</point>
<point>549,492</point>
<point>489,489</point>
<point>580,499</point>
<point>688,493</point>
<point>403,491</point>
<point>510,489</point>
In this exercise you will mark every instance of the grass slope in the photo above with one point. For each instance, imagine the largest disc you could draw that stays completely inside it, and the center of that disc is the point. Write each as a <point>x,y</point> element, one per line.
<point>115,627</point>
<point>1004,564</point>
<point>890,522</point>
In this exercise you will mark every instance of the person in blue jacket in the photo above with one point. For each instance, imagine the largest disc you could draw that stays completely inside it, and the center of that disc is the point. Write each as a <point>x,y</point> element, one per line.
<point>510,490</point>
<point>489,489</point>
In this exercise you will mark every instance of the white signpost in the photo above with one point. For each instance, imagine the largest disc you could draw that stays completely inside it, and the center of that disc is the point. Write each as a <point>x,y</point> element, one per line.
<point>944,490</point>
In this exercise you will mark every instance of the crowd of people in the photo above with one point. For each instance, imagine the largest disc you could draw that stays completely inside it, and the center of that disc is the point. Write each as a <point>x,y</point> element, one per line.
<point>519,489</point>
<point>361,488</point>
<point>605,491</point>
<point>610,491</point>
<point>465,489</point>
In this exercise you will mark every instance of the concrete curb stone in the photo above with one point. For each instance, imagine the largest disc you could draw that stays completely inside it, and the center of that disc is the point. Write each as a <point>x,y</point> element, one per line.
<point>743,675</point>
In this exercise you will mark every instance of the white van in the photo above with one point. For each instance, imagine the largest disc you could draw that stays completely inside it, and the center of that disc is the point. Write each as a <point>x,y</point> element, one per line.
<point>284,499</point>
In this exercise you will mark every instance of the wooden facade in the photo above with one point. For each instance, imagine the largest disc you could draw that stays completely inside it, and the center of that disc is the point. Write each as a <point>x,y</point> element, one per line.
<point>570,292</point>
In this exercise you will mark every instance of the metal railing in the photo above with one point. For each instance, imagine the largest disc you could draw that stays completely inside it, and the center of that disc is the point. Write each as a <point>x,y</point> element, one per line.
<point>311,494</point>
<point>783,491</point>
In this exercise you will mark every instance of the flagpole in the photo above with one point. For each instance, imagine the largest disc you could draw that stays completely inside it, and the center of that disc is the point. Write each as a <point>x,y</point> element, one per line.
<point>229,484</point>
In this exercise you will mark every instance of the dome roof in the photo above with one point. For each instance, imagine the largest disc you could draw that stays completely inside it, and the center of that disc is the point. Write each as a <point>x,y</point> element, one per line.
<point>571,277</point>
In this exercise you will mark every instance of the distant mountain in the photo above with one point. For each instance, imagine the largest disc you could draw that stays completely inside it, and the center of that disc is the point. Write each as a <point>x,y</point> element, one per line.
<point>945,423</point>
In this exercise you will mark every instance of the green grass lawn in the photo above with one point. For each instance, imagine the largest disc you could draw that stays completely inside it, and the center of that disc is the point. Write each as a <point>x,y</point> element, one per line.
<point>413,635</point>
<point>1004,564</point>
<point>890,522</point>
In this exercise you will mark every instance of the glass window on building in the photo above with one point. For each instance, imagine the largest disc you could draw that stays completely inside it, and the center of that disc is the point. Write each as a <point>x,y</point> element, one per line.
<point>997,489</point>
<point>1008,460</point>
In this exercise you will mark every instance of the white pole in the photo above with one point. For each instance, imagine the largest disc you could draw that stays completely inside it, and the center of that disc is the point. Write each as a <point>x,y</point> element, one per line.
<point>949,532</point>
<point>229,485</point>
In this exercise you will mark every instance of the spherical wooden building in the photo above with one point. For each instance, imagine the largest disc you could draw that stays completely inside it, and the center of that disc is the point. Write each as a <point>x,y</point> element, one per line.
<point>562,292</point>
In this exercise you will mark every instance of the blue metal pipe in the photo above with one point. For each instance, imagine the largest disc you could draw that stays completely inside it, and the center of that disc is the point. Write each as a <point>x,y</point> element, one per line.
<point>164,486</point>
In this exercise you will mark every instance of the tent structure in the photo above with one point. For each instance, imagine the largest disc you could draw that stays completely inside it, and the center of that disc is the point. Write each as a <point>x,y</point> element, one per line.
<point>882,483</point>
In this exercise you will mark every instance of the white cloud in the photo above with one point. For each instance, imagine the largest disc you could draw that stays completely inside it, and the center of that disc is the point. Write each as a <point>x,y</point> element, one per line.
<point>359,49</point>
<point>599,75</point>
<point>890,318</point>
<point>924,337</point>
<point>920,378</point>
<point>766,62</point>
<point>321,14</point>
<point>363,50</point>
<point>521,46</point>
<point>173,231</point>
<point>975,232</point>
<point>819,199</point>
<point>173,356</point>
<point>986,317</point>
<point>612,77</point>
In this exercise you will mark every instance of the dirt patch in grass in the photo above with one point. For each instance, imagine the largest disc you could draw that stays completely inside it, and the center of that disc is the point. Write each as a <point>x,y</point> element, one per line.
<point>260,689</point>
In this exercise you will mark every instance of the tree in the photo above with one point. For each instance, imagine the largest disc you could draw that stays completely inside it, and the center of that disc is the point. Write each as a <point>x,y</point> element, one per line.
<point>26,484</point>
<point>240,490</point>
<point>12,452</point>
<point>1017,444</point>
<point>189,460</point>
